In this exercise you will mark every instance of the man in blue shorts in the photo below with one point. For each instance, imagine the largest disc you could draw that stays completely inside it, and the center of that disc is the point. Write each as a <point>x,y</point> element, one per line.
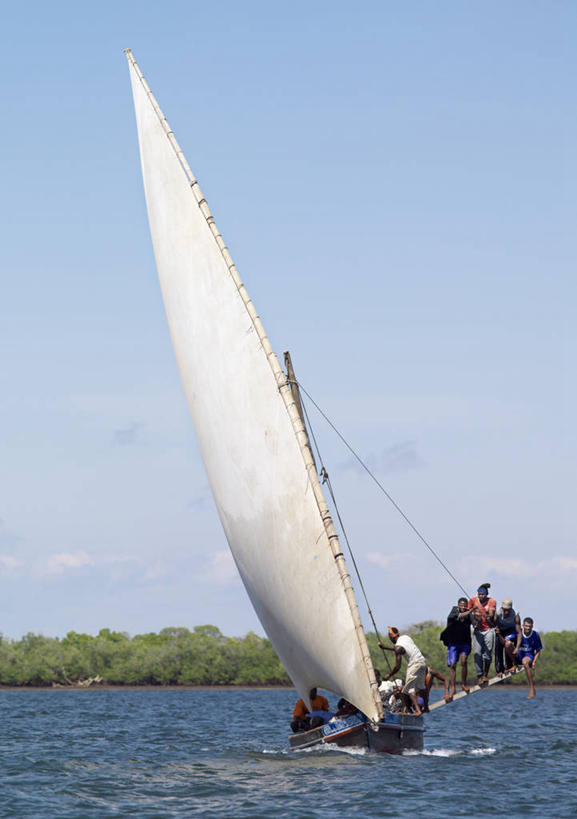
<point>528,652</point>
<point>457,637</point>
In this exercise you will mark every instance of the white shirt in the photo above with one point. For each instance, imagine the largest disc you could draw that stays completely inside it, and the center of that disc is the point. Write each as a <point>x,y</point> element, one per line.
<point>412,653</point>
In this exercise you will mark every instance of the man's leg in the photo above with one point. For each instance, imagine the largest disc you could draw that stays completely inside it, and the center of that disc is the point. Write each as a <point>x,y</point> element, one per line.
<point>528,666</point>
<point>415,702</point>
<point>464,658</point>
<point>478,654</point>
<point>488,645</point>
<point>499,664</point>
<point>452,678</point>
<point>511,662</point>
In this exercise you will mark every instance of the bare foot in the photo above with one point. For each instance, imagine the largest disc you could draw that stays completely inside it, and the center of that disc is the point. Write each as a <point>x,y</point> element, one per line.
<point>448,697</point>
<point>465,688</point>
<point>530,695</point>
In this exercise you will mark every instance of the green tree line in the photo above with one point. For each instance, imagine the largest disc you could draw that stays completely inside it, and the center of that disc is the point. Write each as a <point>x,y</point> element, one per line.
<point>204,656</point>
<point>175,656</point>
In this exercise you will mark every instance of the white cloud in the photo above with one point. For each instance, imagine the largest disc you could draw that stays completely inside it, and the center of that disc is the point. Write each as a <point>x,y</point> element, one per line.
<point>484,567</point>
<point>568,563</point>
<point>220,570</point>
<point>9,563</point>
<point>386,561</point>
<point>65,561</point>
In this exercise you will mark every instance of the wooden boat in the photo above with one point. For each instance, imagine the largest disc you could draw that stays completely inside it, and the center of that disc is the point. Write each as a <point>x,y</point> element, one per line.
<point>256,452</point>
<point>393,734</point>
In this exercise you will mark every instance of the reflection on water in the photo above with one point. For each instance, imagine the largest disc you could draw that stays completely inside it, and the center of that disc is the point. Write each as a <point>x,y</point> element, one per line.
<point>225,753</point>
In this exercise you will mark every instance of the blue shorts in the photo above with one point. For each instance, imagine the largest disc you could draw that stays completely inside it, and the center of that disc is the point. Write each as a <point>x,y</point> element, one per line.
<point>454,651</point>
<point>522,654</point>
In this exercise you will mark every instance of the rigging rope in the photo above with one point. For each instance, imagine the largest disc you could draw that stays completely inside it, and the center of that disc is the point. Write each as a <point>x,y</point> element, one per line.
<point>325,476</point>
<point>384,491</point>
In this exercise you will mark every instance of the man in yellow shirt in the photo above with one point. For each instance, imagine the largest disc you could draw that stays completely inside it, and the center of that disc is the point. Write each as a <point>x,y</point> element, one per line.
<point>301,720</point>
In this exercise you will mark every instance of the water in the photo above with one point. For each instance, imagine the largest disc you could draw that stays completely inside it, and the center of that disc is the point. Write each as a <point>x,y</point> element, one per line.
<point>224,754</point>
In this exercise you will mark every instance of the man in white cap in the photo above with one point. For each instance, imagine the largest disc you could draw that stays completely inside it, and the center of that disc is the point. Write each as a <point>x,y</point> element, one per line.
<point>508,633</point>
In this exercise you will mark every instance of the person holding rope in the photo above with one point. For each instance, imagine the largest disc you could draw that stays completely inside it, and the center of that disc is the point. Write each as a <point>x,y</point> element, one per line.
<point>457,637</point>
<point>415,684</point>
<point>483,613</point>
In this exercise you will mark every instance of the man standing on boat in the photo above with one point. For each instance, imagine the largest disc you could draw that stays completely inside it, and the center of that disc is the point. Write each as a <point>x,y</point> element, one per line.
<point>457,637</point>
<point>529,651</point>
<point>415,684</point>
<point>483,612</point>
<point>508,637</point>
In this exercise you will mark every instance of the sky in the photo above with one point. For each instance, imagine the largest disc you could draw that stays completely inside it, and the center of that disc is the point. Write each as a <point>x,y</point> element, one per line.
<point>396,184</point>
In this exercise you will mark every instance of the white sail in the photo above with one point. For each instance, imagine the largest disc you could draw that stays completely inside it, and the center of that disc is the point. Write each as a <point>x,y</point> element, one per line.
<point>268,498</point>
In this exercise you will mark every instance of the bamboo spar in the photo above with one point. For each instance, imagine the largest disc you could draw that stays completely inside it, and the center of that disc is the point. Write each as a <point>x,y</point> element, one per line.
<point>283,387</point>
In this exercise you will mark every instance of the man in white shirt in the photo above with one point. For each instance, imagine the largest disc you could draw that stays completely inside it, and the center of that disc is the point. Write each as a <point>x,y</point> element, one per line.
<point>415,683</point>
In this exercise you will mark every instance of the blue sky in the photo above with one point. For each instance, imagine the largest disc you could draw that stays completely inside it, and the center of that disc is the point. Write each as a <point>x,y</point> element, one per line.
<point>396,183</point>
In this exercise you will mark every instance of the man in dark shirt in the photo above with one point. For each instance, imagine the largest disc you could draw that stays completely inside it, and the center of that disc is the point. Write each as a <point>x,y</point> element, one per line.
<point>457,637</point>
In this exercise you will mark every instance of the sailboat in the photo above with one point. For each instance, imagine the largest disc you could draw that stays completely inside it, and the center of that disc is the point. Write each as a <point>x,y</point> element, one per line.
<point>256,452</point>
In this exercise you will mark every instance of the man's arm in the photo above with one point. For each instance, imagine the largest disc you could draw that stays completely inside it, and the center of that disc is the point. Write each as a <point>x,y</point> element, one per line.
<point>492,612</point>
<point>399,651</point>
<point>535,658</point>
<point>453,615</point>
<point>519,631</point>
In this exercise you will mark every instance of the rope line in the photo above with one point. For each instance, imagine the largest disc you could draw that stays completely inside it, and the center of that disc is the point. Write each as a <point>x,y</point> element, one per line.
<point>325,479</point>
<point>384,491</point>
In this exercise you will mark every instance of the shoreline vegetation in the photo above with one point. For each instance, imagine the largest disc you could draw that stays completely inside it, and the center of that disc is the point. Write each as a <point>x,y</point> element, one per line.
<point>205,658</point>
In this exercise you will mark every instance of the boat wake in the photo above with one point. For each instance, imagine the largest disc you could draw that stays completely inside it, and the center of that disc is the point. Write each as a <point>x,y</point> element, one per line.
<point>329,747</point>
<point>449,752</point>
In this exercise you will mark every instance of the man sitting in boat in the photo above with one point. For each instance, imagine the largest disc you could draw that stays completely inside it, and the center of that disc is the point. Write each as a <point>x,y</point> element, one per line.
<point>415,685</point>
<point>303,719</point>
<point>398,702</point>
<point>386,690</point>
<point>345,708</point>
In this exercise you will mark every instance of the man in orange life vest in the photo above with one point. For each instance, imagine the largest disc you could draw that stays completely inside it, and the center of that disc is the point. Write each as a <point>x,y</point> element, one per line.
<point>483,613</point>
<point>301,720</point>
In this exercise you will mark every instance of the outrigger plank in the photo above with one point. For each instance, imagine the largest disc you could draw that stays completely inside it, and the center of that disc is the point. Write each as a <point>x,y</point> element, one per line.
<point>473,690</point>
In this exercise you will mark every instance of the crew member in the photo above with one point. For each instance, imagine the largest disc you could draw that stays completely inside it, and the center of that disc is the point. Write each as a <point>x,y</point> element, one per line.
<point>529,651</point>
<point>457,637</point>
<point>303,719</point>
<point>508,637</point>
<point>483,608</point>
<point>404,646</point>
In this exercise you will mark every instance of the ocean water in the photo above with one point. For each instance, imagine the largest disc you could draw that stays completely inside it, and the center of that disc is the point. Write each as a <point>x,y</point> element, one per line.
<point>172,753</point>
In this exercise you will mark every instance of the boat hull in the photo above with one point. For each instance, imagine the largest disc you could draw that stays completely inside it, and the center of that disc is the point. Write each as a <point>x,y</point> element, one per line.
<point>394,735</point>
